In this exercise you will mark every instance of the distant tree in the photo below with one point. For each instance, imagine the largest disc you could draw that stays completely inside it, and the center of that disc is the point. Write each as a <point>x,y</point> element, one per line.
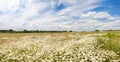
<point>10,30</point>
<point>97,30</point>
<point>71,31</point>
<point>37,31</point>
<point>111,30</point>
<point>25,31</point>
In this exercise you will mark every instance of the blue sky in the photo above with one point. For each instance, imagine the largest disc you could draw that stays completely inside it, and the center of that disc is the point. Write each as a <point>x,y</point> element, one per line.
<point>76,15</point>
<point>110,6</point>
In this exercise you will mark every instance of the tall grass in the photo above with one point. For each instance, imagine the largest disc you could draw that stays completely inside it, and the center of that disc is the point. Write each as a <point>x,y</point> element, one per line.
<point>110,41</point>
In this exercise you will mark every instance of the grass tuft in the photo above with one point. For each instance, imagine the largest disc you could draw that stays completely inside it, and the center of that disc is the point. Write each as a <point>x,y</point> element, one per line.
<point>110,41</point>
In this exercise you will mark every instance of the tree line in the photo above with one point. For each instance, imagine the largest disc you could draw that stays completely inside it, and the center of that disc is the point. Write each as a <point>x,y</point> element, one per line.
<point>28,31</point>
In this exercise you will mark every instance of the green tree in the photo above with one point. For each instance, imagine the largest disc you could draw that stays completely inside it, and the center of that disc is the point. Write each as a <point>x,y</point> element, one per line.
<point>25,31</point>
<point>97,30</point>
<point>11,30</point>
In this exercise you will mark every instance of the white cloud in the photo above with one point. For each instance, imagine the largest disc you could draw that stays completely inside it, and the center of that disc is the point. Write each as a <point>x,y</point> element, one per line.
<point>97,15</point>
<point>9,5</point>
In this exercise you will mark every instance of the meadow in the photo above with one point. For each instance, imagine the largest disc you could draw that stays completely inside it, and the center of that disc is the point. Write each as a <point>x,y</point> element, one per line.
<point>60,47</point>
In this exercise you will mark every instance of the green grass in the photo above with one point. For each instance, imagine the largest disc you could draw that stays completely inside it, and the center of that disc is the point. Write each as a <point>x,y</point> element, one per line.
<point>110,42</point>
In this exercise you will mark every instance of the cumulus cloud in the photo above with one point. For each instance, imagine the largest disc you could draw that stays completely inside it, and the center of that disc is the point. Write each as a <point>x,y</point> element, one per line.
<point>76,15</point>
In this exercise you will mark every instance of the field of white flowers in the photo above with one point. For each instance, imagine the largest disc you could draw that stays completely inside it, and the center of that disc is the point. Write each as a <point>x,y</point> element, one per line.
<point>53,47</point>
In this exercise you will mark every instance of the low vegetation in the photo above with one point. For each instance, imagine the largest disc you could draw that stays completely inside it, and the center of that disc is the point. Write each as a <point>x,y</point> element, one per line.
<point>57,47</point>
<point>110,41</point>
